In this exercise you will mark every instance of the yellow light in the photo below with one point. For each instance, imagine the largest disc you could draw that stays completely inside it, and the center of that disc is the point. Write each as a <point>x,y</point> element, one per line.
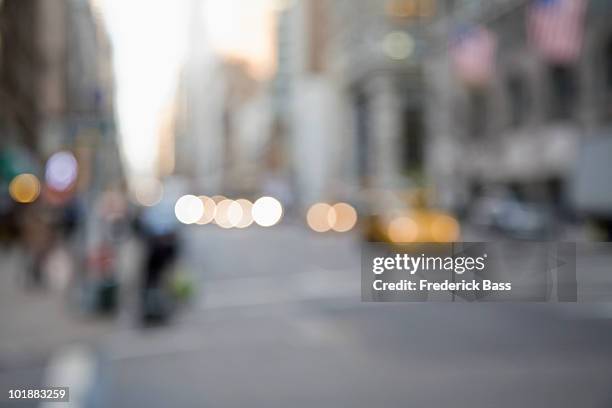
<point>444,228</point>
<point>247,217</point>
<point>210,208</point>
<point>403,229</point>
<point>321,217</point>
<point>267,211</point>
<point>188,209</point>
<point>345,217</point>
<point>24,188</point>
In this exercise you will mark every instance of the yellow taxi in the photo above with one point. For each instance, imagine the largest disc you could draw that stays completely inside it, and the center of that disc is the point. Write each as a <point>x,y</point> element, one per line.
<point>405,217</point>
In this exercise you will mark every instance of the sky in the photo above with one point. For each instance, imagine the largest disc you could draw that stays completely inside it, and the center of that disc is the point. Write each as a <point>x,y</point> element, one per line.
<point>149,39</point>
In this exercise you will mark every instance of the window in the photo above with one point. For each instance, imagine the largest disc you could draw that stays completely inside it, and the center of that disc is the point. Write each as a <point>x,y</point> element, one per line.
<point>412,129</point>
<point>477,117</point>
<point>563,91</point>
<point>518,100</point>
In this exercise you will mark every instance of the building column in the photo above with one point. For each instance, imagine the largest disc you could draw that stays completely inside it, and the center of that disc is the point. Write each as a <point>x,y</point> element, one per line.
<point>384,132</point>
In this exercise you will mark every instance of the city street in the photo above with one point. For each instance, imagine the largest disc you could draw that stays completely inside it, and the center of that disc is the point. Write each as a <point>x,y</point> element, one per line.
<point>278,322</point>
<point>187,189</point>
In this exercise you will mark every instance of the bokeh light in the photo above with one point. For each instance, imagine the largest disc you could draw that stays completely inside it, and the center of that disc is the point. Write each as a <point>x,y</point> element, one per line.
<point>24,188</point>
<point>218,198</point>
<point>398,45</point>
<point>403,229</point>
<point>210,209</point>
<point>189,209</point>
<point>345,217</point>
<point>234,213</point>
<point>228,214</point>
<point>321,217</point>
<point>148,191</point>
<point>444,228</point>
<point>267,211</point>
<point>247,216</point>
<point>61,171</point>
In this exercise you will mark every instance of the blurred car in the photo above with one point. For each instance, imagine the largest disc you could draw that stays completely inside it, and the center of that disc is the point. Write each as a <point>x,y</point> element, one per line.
<point>590,187</point>
<point>405,217</point>
<point>514,218</point>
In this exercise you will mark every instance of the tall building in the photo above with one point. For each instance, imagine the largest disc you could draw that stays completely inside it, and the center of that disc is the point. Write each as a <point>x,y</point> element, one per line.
<point>223,120</point>
<point>57,94</point>
<point>352,74</point>
<point>307,100</point>
<point>199,141</point>
<point>56,80</point>
<point>20,71</point>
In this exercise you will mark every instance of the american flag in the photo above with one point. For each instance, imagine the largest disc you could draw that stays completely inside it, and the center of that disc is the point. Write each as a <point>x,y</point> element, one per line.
<point>556,27</point>
<point>472,51</point>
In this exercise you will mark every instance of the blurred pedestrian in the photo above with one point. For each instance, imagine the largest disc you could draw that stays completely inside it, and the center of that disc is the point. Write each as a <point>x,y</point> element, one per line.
<point>159,230</point>
<point>38,238</point>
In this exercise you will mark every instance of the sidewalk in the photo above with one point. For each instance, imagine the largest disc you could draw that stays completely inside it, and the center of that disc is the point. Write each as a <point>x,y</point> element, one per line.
<point>36,322</point>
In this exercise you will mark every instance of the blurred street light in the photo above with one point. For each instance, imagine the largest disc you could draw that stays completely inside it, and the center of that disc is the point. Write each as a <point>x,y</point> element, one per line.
<point>267,211</point>
<point>345,217</point>
<point>321,217</point>
<point>61,171</point>
<point>148,191</point>
<point>24,188</point>
<point>403,229</point>
<point>247,216</point>
<point>228,214</point>
<point>189,209</point>
<point>444,228</point>
<point>340,217</point>
<point>210,209</point>
<point>398,45</point>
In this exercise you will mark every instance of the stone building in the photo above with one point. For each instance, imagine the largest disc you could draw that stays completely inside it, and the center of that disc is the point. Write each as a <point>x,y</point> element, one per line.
<point>523,130</point>
<point>377,56</point>
<point>56,80</point>
<point>351,73</point>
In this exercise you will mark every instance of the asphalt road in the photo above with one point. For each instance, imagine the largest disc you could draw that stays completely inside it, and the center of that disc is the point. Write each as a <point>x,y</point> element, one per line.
<point>278,322</point>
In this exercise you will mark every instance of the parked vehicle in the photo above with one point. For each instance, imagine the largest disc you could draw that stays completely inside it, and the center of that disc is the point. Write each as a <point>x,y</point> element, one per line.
<point>591,187</point>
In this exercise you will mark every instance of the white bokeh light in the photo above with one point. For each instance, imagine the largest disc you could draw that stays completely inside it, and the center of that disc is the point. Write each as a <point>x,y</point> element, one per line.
<point>267,211</point>
<point>229,213</point>
<point>189,209</point>
<point>210,209</point>
<point>61,171</point>
<point>148,191</point>
<point>247,216</point>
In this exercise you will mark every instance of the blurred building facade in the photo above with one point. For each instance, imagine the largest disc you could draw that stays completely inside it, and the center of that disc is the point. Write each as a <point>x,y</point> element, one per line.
<point>199,141</point>
<point>307,100</point>
<point>350,87</point>
<point>367,95</point>
<point>378,52</point>
<point>522,128</point>
<point>223,118</point>
<point>57,91</point>
<point>56,71</point>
